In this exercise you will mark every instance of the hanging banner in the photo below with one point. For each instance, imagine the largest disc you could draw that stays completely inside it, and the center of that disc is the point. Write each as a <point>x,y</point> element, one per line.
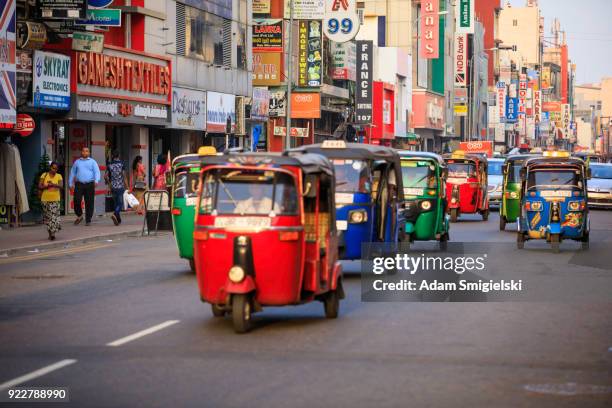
<point>266,68</point>
<point>522,95</point>
<point>565,119</point>
<point>220,112</point>
<point>278,100</point>
<point>465,16</point>
<point>310,61</point>
<point>305,9</point>
<point>501,101</point>
<point>188,109</point>
<point>260,105</point>
<point>430,21</point>
<point>8,99</point>
<point>343,60</point>
<point>341,22</point>
<point>461,52</point>
<point>512,110</point>
<point>363,92</point>
<point>268,35</point>
<point>537,106</point>
<point>51,86</point>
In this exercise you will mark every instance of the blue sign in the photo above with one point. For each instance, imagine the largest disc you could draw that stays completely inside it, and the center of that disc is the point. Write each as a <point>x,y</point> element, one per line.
<point>51,80</point>
<point>512,110</point>
<point>99,3</point>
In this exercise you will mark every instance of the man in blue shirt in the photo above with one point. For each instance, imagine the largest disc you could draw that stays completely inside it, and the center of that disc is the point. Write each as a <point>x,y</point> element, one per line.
<point>84,176</point>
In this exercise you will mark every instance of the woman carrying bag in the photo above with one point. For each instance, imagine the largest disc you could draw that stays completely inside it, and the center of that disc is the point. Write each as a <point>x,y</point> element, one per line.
<point>139,184</point>
<point>50,186</point>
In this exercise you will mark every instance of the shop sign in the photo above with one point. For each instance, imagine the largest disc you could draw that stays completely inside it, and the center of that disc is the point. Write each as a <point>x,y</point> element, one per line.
<point>479,146</point>
<point>306,105</point>
<point>295,131</point>
<point>220,112</point>
<point>24,76</point>
<point>102,17</point>
<point>188,109</point>
<point>261,6</point>
<point>522,94</point>
<point>512,110</point>
<point>341,22</point>
<point>25,125</point>
<point>5,213</point>
<point>461,52</point>
<point>501,100</point>
<point>278,99</point>
<point>363,93</point>
<point>465,16</point>
<point>61,9</point>
<point>305,9</point>
<point>24,61</point>
<point>268,35</point>
<point>565,119</point>
<point>551,106</point>
<point>51,86</point>
<point>430,21</point>
<point>461,110</point>
<point>537,105</point>
<point>343,60</point>
<point>260,104</point>
<point>266,68</point>
<point>461,95</point>
<point>99,3</point>
<point>31,35</point>
<point>87,41</point>
<point>8,101</point>
<point>310,55</point>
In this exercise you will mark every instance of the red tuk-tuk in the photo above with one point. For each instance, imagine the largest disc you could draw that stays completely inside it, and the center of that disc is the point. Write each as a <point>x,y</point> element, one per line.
<point>265,234</point>
<point>466,185</point>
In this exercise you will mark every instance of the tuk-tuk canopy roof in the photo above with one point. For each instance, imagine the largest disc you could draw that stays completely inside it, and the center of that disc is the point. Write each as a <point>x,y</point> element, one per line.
<point>309,163</point>
<point>356,151</point>
<point>409,154</point>
<point>554,161</point>
<point>520,157</point>
<point>186,159</point>
<point>465,156</point>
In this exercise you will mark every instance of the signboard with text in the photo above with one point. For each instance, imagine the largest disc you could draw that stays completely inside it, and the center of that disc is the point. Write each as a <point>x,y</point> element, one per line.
<point>310,54</point>
<point>465,16</point>
<point>461,53</point>
<point>268,35</point>
<point>188,109</point>
<point>220,110</point>
<point>341,22</point>
<point>363,92</point>
<point>61,9</point>
<point>430,22</point>
<point>51,82</point>
<point>305,9</point>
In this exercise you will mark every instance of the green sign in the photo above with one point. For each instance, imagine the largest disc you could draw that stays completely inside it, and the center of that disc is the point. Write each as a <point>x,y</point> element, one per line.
<point>465,16</point>
<point>86,41</point>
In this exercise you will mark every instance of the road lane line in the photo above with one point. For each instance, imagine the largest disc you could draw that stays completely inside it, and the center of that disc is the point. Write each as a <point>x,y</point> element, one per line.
<point>35,374</point>
<point>142,333</point>
<point>63,251</point>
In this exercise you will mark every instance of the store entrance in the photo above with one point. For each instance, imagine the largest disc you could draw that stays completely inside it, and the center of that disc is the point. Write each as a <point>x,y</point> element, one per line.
<point>118,138</point>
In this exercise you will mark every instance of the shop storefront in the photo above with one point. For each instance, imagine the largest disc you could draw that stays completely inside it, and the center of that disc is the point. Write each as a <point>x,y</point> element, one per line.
<point>428,119</point>
<point>382,131</point>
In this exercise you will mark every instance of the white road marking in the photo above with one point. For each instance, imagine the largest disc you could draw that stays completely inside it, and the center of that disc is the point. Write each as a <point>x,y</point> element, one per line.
<point>35,374</point>
<point>142,333</point>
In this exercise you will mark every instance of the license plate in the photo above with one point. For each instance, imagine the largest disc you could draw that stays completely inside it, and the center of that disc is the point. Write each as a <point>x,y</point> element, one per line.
<point>344,198</point>
<point>557,193</point>
<point>341,225</point>
<point>413,191</point>
<point>242,222</point>
<point>191,201</point>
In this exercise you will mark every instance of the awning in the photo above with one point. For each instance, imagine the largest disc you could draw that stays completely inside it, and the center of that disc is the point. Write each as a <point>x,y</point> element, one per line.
<point>409,136</point>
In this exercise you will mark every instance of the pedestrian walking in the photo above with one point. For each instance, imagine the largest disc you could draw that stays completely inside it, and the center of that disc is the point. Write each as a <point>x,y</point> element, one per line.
<point>116,178</point>
<point>50,185</point>
<point>139,184</point>
<point>159,173</point>
<point>84,177</point>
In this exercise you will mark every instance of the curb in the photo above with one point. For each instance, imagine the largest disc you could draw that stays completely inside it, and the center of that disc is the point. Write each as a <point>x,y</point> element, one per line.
<point>72,242</point>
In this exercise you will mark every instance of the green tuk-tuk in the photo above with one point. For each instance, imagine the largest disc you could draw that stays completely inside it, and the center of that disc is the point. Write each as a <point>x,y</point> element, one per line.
<point>424,180</point>
<point>185,178</point>
<point>510,208</point>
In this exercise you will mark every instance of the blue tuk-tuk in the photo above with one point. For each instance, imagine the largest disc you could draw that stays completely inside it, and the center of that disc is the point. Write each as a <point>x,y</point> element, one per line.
<point>554,200</point>
<point>369,193</point>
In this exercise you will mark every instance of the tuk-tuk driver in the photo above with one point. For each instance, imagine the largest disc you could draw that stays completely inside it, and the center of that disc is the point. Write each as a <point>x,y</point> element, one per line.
<point>258,203</point>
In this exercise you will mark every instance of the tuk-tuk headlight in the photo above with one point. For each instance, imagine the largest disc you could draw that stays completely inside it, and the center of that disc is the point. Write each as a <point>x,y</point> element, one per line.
<point>575,206</point>
<point>236,274</point>
<point>358,216</point>
<point>425,205</point>
<point>453,200</point>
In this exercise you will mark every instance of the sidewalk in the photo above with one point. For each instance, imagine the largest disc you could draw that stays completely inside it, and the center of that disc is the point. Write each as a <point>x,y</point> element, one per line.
<point>22,239</point>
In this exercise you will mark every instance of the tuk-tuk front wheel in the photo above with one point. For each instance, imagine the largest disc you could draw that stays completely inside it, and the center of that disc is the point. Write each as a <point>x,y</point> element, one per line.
<point>217,311</point>
<point>502,223</point>
<point>554,242</point>
<point>241,313</point>
<point>520,240</point>
<point>332,304</point>
<point>454,214</point>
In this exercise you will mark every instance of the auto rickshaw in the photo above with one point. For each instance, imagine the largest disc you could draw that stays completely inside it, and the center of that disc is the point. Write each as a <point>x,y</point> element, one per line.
<point>467,185</point>
<point>589,157</point>
<point>554,200</point>
<point>424,180</point>
<point>510,208</point>
<point>369,193</point>
<point>265,234</point>
<point>185,177</point>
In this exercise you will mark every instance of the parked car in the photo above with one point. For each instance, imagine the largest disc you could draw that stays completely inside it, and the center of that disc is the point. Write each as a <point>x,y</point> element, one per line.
<point>600,185</point>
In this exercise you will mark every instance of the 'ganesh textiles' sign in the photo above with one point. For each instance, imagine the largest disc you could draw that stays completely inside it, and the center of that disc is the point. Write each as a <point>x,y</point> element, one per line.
<point>188,109</point>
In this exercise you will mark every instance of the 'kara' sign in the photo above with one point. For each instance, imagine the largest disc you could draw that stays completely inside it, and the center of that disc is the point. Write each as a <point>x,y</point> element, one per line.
<point>51,85</point>
<point>363,95</point>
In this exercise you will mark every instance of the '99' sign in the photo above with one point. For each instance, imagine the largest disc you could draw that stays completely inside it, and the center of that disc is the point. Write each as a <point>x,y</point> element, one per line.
<point>341,22</point>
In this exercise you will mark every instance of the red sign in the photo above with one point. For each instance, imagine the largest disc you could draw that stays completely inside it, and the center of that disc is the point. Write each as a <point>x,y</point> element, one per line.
<point>25,125</point>
<point>429,29</point>
<point>479,146</point>
<point>551,106</point>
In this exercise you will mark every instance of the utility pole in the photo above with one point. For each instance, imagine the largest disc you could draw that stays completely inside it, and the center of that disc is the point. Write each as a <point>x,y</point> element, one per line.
<point>289,77</point>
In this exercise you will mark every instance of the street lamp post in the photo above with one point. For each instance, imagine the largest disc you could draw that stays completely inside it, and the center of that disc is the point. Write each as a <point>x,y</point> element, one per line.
<point>289,77</point>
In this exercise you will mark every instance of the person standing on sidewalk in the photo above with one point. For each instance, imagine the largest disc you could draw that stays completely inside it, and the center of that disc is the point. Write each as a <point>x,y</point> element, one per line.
<point>50,185</point>
<point>116,177</point>
<point>84,177</point>
<point>159,173</point>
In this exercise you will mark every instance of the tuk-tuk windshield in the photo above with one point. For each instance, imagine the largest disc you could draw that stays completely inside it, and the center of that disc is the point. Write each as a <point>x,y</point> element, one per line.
<point>554,179</point>
<point>461,170</point>
<point>514,172</point>
<point>495,167</point>
<point>185,184</point>
<point>601,171</point>
<point>248,192</point>
<point>352,176</point>
<point>418,174</point>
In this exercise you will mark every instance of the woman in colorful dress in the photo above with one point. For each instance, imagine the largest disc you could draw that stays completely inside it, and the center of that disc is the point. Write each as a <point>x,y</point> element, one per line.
<point>139,184</point>
<point>51,184</point>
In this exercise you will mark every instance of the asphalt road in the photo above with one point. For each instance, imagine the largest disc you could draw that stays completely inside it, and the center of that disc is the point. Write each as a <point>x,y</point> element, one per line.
<point>73,313</point>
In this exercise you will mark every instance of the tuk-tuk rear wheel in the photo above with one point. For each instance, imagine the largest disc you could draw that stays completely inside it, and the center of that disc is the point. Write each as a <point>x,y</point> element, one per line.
<point>502,223</point>
<point>454,214</point>
<point>554,242</point>
<point>485,215</point>
<point>332,304</point>
<point>241,313</point>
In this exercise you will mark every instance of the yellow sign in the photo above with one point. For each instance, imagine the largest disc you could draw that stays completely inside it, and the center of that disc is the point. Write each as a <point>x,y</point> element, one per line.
<point>261,6</point>
<point>461,110</point>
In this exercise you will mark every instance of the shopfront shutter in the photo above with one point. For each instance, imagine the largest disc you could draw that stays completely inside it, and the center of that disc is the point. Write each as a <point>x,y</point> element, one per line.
<point>227,43</point>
